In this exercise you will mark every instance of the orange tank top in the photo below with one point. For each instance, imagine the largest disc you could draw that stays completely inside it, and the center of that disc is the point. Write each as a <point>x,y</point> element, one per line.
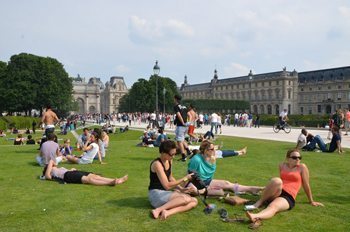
<point>291,181</point>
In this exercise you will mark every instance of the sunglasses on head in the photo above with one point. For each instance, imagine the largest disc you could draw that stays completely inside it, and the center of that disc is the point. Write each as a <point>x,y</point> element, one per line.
<point>295,157</point>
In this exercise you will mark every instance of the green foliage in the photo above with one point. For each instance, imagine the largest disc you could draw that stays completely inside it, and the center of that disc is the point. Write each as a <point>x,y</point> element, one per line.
<point>33,82</point>
<point>3,67</point>
<point>297,120</point>
<point>206,105</point>
<point>142,95</point>
<point>20,122</point>
<point>30,204</point>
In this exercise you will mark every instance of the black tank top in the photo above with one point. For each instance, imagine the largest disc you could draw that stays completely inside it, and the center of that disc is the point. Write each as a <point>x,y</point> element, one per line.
<point>154,180</point>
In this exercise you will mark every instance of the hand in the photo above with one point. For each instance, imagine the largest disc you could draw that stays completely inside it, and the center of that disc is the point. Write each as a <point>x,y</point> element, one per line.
<point>315,203</point>
<point>102,162</point>
<point>189,176</point>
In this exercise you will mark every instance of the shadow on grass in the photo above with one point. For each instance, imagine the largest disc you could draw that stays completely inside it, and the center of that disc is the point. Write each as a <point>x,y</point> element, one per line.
<point>28,151</point>
<point>33,163</point>
<point>132,202</point>
<point>138,158</point>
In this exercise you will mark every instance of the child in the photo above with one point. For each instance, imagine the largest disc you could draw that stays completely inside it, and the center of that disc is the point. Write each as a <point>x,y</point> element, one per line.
<point>66,149</point>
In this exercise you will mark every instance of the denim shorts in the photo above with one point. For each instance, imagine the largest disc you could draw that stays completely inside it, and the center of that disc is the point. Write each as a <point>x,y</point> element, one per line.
<point>180,133</point>
<point>158,197</point>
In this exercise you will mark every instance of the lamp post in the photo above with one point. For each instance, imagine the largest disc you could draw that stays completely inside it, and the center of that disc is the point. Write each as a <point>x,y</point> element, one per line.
<point>156,71</point>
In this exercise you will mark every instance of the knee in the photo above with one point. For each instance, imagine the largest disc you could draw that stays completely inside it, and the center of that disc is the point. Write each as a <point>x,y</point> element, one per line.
<point>194,201</point>
<point>186,199</point>
<point>276,181</point>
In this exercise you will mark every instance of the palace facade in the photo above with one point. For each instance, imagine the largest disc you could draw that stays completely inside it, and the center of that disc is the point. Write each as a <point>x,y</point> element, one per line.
<point>95,97</point>
<point>312,92</point>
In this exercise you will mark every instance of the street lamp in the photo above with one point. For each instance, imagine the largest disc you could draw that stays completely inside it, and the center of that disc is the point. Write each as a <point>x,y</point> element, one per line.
<point>156,71</point>
<point>164,91</point>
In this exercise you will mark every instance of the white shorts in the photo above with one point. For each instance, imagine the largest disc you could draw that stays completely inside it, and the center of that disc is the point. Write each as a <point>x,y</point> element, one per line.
<point>180,133</point>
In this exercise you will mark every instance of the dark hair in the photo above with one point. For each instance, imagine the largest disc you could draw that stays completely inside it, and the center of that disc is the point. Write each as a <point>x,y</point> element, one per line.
<point>178,97</point>
<point>51,136</point>
<point>289,152</point>
<point>30,137</point>
<point>160,130</point>
<point>166,146</point>
<point>85,128</point>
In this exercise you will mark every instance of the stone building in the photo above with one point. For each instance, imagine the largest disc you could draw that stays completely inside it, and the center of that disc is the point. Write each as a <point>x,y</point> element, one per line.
<point>95,97</point>
<point>313,92</point>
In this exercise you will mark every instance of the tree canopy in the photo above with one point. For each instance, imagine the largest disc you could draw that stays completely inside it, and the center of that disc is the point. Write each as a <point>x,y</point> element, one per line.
<point>142,95</point>
<point>33,82</point>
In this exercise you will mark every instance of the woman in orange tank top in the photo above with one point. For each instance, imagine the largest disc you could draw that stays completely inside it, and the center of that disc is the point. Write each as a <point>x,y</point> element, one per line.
<point>280,193</point>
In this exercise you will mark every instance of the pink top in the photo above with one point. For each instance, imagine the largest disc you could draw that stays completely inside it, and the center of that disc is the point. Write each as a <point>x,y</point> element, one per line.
<point>58,172</point>
<point>291,180</point>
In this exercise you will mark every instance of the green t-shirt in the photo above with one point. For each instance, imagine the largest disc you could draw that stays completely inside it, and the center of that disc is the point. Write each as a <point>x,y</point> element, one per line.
<point>204,169</point>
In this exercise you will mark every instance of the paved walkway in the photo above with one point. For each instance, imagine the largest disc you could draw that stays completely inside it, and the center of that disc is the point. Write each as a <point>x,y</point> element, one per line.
<point>263,132</point>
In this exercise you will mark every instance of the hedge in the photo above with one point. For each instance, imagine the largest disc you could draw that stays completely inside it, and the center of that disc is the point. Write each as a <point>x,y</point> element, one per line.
<point>297,120</point>
<point>20,122</point>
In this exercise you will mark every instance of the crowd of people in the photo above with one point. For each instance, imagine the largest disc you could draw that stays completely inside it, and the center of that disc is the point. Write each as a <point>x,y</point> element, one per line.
<point>168,195</point>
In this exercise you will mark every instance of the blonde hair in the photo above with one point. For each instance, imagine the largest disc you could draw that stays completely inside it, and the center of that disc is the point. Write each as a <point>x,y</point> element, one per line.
<point>67,141</point>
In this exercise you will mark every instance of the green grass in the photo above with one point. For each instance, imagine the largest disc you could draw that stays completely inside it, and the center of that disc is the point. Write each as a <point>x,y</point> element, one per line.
<point>29,204</point>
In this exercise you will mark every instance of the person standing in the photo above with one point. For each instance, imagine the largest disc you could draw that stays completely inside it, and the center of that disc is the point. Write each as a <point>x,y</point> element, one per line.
<point>283,117</point>
<point>347,121</point>
<point>192,118</point>
<point>33,126</point>
<point>214,122</point>
<point>257,121</point>
<point>49,119</point>
<point>181,128</point>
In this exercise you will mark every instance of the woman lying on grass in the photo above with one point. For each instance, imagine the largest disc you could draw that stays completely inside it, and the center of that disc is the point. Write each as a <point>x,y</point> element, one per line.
<point>73,176</point>
<point>165,201</point>
<point>204,164</point>
<point>280,193</point>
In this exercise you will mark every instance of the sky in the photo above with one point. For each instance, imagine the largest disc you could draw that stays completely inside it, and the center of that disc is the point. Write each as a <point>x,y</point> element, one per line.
<point>105,38</point>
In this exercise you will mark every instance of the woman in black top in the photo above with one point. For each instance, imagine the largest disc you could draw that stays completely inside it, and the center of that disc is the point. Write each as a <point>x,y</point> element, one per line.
<point>164,201</point>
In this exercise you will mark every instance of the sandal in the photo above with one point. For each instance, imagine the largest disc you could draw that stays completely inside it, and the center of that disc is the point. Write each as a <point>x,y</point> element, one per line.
<point>223,213</point>
<point>235,219</point>
<point>256,224</point>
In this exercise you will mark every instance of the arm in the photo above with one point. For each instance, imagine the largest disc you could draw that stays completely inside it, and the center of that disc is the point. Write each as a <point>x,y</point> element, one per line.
<point>180,118</point>
<point>49,169</point>
<point>167,184</point>
<point>306,185</point>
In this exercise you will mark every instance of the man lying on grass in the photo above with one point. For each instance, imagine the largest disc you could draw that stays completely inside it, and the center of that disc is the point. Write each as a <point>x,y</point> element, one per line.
<point>73,176</point>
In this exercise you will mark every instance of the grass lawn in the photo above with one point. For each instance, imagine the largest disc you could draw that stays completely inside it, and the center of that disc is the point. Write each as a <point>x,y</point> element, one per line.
<point>30,204</point>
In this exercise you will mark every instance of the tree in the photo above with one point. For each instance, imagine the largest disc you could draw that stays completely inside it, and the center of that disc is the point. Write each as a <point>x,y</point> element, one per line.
<point>141,96</point>
<point>3,67</point>
<point>33,82</point>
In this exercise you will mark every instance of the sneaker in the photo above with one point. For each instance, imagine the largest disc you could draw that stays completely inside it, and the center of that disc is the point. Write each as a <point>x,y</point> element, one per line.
<point>184,159</point>
<point>249,207</point>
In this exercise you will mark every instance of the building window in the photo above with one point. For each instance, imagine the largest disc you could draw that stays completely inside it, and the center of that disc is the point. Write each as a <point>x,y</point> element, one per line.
<point>319,109</point>
<point>301,110</point>
<point>319,87</point>
<point>269,83</point>
<point>302,89</point>
<point>289,94</point>
<point>310,89</point>
<point>329,87</point>
<point>329,96</point>
<point>339,96</point>
<point>289,109</point>
<point>278,82</point>
<point>289,82</point>
<point>310,110</point>
<point>339,106</point>
<point>339,86</point>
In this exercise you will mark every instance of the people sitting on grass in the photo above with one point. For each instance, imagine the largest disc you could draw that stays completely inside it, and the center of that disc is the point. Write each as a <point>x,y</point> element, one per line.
<point>66,149</point>
<point>335,143</point>
<point>124,129</point>
<point>2,134</point>
<point>304,140</point>
<point>73,176</point>
<point>83,138</point>
<point>90,149</point>
<point>165,201</point>
<point>105,139</point>
<point>147,140</point>
<point>30,140</point>
<point>219,154</point>
<point>280,193</point>
<point>19,140</point>
<point>49,150</point>
<point>204,164</point>
<point>161,137</point>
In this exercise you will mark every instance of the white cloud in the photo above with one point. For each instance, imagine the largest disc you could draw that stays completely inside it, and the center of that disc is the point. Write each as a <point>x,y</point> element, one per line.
<point>344,11</point>
<point>146,32</point>
<point>235,70</point>
<point>122,69</point>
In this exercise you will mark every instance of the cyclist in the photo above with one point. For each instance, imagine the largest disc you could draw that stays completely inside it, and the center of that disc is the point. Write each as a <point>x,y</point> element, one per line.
<point>283,117</point>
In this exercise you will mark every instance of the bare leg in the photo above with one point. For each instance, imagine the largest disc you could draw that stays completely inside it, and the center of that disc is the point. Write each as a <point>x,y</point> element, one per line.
<point>271,191</point>
<point>242,151</point>
<point>277,205</point>
<point>226,185</point>
<point>72,159</point>
<point>177,203</point>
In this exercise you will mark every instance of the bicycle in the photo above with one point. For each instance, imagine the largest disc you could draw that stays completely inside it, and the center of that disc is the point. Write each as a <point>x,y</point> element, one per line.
<point>286,127</point>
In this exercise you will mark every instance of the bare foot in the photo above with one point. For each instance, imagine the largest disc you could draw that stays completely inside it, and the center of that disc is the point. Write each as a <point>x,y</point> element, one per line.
<point>244,151</point>
<point>121,180</point>
<point>250,216</point>
<point>164,215</point>
<point>155,213</point>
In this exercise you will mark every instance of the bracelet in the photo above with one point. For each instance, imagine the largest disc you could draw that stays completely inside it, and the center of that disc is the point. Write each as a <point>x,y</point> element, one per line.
<point>185,179</point>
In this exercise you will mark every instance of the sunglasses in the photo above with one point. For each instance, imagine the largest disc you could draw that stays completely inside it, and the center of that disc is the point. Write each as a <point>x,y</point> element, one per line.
<point>211,149</point>
<point>171,155</point>
<point>295,157</point>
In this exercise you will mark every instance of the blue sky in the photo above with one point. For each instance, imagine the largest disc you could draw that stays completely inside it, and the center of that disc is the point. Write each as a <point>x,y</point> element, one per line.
<point>188,37</point>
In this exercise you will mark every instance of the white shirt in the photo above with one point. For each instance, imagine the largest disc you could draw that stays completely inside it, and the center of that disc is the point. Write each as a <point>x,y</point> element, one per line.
<point>301,141</point>
<point>214,117</point>
<point>283,114</point>
<point>90,154</point>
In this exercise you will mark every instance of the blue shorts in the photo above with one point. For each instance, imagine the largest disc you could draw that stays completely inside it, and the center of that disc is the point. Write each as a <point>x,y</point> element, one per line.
<point>180,133</point>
